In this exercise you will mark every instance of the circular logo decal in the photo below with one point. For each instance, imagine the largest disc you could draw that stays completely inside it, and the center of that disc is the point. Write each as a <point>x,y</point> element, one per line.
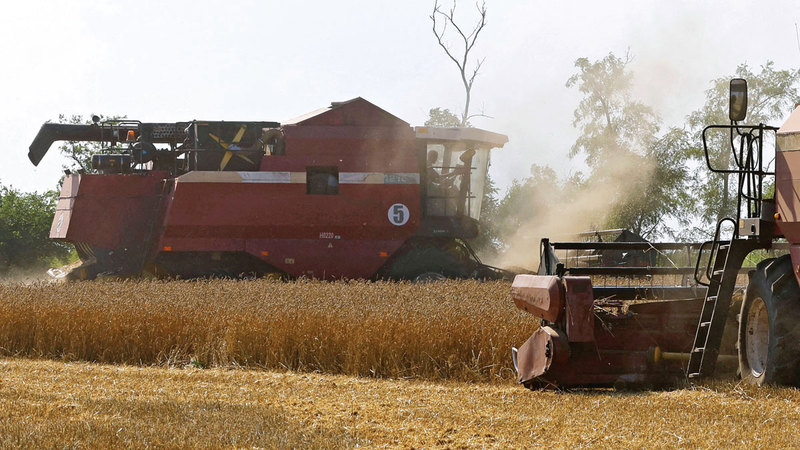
<point>398,214</point>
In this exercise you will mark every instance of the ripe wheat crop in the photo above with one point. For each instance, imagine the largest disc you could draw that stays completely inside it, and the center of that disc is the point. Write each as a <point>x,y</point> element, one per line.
<point>455,329</point>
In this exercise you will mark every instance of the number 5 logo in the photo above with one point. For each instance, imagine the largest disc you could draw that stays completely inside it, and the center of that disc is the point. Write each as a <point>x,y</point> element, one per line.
<point>398,214</point>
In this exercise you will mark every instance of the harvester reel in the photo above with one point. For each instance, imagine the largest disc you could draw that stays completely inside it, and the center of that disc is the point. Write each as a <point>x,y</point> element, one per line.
<point>769,325</point>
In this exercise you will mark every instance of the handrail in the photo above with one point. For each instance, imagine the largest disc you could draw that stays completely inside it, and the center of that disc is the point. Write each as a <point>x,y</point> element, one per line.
<point>740,169</point>
<point>697,264</point>
<point>624,245</point>
<point>715,244</point>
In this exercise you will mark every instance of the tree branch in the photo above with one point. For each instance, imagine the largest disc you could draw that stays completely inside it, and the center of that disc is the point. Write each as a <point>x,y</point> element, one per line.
<point>469,41</point>
<point>480,115</point>
<point>440,37</point>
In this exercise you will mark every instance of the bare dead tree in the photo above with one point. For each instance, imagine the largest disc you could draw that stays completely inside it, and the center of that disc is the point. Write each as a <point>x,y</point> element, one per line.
<point>460,59</point>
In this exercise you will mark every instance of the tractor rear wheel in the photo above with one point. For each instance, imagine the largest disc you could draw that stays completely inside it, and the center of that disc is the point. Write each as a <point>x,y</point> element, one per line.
<point>769,325</point>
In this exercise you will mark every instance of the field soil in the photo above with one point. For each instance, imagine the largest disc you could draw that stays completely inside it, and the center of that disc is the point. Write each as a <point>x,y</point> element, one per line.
<point>86,405</point>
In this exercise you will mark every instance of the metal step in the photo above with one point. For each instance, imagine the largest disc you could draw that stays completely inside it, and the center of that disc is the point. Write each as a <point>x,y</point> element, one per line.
<point>711,324</point>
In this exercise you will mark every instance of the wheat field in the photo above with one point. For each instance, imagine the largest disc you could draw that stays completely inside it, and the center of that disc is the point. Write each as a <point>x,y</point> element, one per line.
<point>347,364</point>
<point>461,330</point>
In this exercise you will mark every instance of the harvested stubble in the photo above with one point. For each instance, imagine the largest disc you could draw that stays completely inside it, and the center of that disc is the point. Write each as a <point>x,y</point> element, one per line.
<point>49,404</point>
<point>456,329</point>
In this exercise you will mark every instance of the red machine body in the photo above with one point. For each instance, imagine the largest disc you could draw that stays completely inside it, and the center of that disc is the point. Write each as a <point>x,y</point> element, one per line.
<point>787,185</point>
<point>339,193</point>
<point>588,342</point>
<point>647,334</point>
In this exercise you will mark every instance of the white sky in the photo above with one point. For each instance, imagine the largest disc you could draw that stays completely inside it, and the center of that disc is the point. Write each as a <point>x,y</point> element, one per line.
<point>273,60</point>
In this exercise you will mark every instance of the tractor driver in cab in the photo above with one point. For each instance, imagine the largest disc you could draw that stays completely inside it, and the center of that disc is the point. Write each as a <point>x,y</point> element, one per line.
<point>444,189</point>
<point>444,179</point>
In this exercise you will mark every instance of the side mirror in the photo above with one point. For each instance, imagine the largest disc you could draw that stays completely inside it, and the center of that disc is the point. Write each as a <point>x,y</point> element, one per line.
<point>738,106</point>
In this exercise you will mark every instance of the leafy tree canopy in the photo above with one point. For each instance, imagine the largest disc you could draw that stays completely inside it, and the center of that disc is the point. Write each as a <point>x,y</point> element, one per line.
<point>642,172</point>
<point>25,220</point>
<point>609,120</point>
<point>443,118</point>
<point>79,153</point>
<point>771,95</point>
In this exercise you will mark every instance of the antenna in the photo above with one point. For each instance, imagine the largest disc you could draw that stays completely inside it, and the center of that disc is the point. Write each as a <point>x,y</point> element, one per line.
<point>797,35</point>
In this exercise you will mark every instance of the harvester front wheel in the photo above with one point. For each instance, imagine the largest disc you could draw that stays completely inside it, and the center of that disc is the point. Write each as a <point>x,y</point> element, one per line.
<point>426,264</point>
<point>769,325</point>
<point>429,277</point>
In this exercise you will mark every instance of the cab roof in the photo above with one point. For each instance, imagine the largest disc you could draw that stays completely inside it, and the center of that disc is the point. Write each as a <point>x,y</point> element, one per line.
<point>482,138</point>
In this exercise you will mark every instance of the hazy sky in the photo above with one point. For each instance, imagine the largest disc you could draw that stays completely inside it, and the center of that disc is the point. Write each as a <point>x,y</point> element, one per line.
<point>274,60</point>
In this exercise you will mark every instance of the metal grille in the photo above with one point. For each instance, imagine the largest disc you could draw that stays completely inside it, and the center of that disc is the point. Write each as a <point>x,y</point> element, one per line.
<point>175,131</point>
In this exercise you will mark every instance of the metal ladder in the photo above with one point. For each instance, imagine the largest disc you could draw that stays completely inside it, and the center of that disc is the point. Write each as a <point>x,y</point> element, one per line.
<point>726,257</point>
<point>723,267</point>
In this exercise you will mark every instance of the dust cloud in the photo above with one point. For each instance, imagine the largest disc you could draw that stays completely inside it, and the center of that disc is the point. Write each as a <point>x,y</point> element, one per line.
<point>25,277</point>
<point>569,207</point>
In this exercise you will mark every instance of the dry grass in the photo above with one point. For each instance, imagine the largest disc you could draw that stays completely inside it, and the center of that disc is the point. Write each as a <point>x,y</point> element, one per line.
<point>456,330</point>
<point>54,404</point>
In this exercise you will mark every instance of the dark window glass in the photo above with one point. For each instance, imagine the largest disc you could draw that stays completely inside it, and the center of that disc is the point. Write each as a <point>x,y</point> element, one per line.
<point>322,180</point>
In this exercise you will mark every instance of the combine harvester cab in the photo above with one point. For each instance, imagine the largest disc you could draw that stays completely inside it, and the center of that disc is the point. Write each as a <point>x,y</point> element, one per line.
<point>348,191</point>
<point>600,336</point>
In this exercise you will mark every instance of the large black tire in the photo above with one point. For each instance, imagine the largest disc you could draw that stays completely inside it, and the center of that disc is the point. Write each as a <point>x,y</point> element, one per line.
<point>769,325</point>
<point>426,260</point>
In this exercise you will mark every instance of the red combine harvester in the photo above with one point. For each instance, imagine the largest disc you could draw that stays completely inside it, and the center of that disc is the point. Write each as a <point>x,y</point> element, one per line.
<point>348,191</point>
<point>594,335</point>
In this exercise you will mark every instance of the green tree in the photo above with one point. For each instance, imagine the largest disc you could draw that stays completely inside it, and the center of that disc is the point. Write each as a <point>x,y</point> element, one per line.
<point>771,95</point>
<point>25,220</point>
<point>648,202</point>
<point>80,153</point>
<point>644,174</point>
<point>443,118</point>
<point>609,120</point>
<point>525,200</point>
